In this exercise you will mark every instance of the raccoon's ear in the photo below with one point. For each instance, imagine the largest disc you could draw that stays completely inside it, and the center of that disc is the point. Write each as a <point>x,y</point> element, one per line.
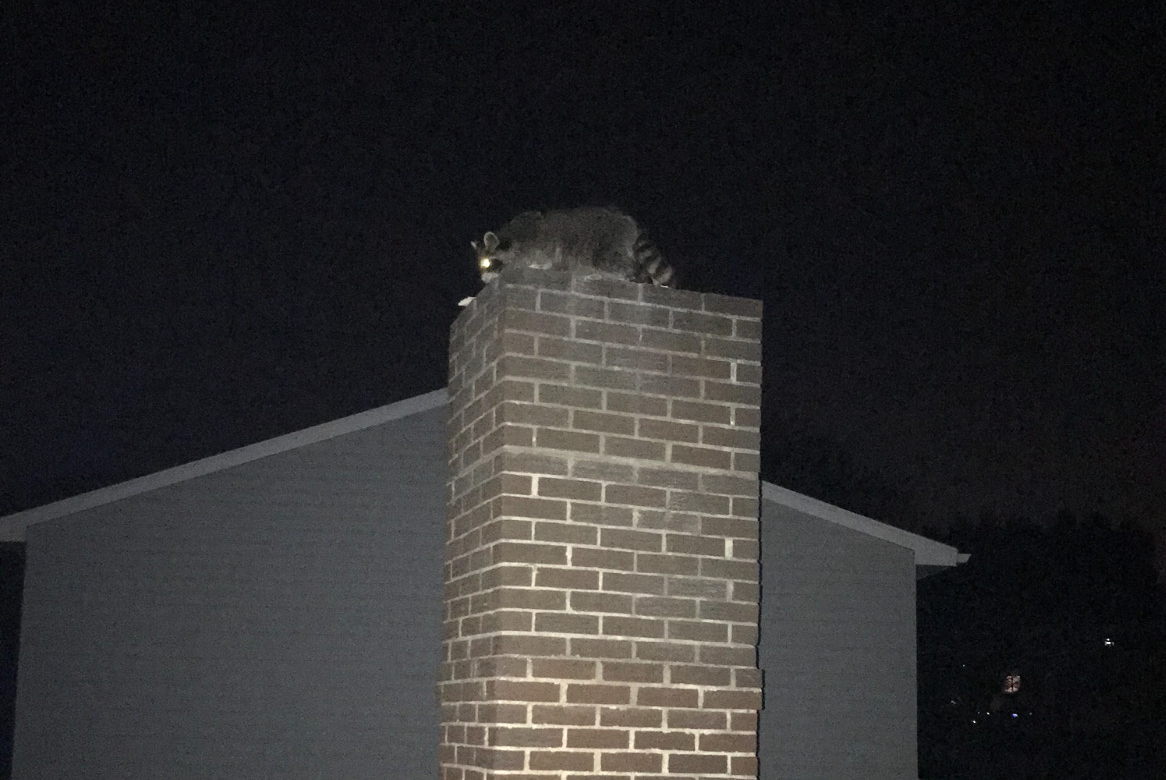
<point>474,245</point>
<point>490,241</point>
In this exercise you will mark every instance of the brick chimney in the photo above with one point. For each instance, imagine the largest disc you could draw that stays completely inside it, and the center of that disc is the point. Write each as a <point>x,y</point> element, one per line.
<point>601,580</point>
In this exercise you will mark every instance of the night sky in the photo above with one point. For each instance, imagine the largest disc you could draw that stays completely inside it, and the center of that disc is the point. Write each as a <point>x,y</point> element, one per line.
<point>220,225</point>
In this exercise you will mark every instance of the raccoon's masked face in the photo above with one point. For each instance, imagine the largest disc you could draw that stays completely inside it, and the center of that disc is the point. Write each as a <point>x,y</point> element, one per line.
<point>489,253</point>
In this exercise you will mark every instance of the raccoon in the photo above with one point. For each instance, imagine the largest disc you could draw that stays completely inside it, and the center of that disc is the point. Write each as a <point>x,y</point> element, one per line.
<point>600,241</point>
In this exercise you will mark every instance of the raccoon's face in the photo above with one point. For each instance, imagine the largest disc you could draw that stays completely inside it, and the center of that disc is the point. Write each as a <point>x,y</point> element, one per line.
<point>490,256</point>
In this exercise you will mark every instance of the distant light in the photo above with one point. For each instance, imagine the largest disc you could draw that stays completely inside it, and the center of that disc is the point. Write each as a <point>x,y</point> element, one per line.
<point>1014,714</point>
<point>973,720</point>
<point>1108,642</point>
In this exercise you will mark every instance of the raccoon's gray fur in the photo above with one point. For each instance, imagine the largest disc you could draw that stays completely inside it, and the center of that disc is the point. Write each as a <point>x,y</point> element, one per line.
<point>584,240</point>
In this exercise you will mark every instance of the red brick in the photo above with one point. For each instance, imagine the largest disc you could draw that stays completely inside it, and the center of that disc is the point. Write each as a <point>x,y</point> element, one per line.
<point>635,359</point>
<point>665,740</point>
<point>665,607</point>
<point>534,322</point>
<point>584,693</point>
<point>562,760</point>
<point>667,563</point>
<point>730,526</point>
<point>532,414</point>
<point>729,569</point>
<point>524,644</point>
<point>524,506</point>
<point>700,675</point>
<point>702,456</point>
<point>597,601</point>
<point>522,552</point>
<point>697,587</point>
<point>533,368</point>
<point>698,631</point>
<point>670,340</point>
<point>705,368</point>
<point>570,396</point>
<point>633,448</point>
<point>635,495</point>
<point>568,578</point>
<point>731,700</point>
<point>745,548</point>
<point>634,717</point>
<point>697,719</point>
<point>624,539</point>
<point>749,373</point>
<point>516,690</point>
<point>665,651</point>
<point>743,721</point>
<point>570,350</point>
<point>529,598</point>
<point>635,403</point>
<point>696,545</point>
<point>721,655</point>
<point>564,668</point>
<point>603,559</point>
<point>633,583</point>
<point>563,303</point>
<point>507,736</point>
<point>670,385</point>
<point>563,714</point>
<point>668,431</point>
<point>638,314</point>
<point>612,378</point>
<point>631,762</point>
<point>733,349</point>
<point>667,697</point>
<point>603,470</point>
<point>618,625</point>
<point>747,462</point>
<point>586,647</point>
<point>601,514</point>
<point>605,739</point>
<point>555,439</point>
<point>566,533</point>
<point>535,463</point>
<point>563,623</point>
<point>615,671</point>
<point>698,411</point>
<point>743,766</point>
<point>697,763</point>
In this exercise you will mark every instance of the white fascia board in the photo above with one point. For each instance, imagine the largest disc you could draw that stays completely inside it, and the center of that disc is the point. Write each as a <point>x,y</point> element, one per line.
<point>12,527</point>
<point>928,552</point>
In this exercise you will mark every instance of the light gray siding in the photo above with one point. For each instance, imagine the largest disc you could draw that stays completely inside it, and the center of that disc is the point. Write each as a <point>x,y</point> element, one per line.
<point>280,618</point>
<point>837,647</point>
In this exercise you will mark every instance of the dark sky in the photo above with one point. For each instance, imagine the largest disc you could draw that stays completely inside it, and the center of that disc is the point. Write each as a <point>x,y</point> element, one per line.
<point>219,225</point>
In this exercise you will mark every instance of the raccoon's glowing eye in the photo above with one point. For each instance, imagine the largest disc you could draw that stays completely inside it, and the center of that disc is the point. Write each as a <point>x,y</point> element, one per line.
<point>484,262</point>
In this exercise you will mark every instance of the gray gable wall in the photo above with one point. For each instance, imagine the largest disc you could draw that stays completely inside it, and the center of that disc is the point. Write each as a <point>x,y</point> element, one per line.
<point>837,648</point>
<point>280,618</point>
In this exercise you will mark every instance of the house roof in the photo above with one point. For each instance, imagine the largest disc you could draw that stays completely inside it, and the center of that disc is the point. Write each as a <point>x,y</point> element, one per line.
<point>928,553</point>
<point>13,526</point>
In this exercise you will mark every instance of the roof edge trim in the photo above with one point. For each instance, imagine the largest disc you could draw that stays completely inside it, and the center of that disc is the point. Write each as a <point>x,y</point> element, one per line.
<point>13,527</point>
<point>928,552</point>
